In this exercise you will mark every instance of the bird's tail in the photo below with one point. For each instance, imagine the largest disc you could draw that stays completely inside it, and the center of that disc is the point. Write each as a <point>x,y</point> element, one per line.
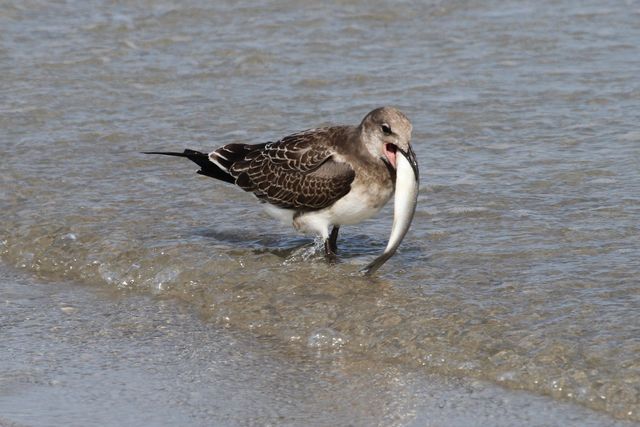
<point>207,167</point>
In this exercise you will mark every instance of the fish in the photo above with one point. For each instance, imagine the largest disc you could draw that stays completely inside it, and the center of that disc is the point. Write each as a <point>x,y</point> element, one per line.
<point>405,201</point>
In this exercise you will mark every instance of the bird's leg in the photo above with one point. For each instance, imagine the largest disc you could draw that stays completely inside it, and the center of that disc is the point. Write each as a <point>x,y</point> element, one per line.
<point>333,239</point>
<point>331,245</point>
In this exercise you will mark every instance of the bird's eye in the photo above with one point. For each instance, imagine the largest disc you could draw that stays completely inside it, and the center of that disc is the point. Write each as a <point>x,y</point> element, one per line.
<point>386,129</point>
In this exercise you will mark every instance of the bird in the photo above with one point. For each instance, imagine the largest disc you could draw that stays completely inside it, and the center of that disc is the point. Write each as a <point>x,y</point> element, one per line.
<point>323,178</point>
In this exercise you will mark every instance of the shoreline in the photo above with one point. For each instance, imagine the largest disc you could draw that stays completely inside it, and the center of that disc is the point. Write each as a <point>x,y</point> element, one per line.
<point>74,355</point>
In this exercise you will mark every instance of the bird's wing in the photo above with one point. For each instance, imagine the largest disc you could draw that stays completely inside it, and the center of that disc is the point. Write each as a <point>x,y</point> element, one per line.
<point>298,172</point>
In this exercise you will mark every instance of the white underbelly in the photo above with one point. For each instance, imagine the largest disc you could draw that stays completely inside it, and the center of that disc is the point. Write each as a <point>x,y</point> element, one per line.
<point>283,215</point>
<point>353,208</point>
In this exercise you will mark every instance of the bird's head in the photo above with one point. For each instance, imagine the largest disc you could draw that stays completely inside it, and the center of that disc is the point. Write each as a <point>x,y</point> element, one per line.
<point>386,131</point>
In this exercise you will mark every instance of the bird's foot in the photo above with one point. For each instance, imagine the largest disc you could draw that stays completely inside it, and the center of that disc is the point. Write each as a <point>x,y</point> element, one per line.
<point>329,252</point>
<point>331,246</point>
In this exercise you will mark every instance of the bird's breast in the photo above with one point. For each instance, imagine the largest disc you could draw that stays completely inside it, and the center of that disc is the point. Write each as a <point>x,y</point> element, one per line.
<point>367,196</point>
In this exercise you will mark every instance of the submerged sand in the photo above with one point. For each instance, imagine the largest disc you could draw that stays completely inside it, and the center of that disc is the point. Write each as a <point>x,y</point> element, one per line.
<point>74,355</point>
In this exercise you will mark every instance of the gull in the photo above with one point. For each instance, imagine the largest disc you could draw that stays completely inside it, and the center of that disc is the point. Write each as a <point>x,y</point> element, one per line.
<point>324,178</point>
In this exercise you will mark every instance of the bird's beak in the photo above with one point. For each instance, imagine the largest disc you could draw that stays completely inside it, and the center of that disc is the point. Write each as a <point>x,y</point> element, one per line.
<point>404,205</point>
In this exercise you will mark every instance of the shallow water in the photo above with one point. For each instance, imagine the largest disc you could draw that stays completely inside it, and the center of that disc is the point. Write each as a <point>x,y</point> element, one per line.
<point>76,357</point>
<point>521,267</point>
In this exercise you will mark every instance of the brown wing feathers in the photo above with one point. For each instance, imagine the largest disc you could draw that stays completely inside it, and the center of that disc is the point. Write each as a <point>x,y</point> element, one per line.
<point>297,172</point>
<point>294,189</point>
<point>229,154</point>
<point>284,173</point>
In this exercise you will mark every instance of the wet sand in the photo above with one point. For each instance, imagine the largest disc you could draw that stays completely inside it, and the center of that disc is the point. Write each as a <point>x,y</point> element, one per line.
<point>79,356</point>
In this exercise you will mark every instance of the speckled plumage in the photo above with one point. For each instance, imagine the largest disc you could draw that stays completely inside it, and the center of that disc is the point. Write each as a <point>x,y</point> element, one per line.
<point>298,172</point>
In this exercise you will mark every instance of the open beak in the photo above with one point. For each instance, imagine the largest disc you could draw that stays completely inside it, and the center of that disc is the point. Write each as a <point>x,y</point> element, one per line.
<point>390,153</point>
<point>404,204</point>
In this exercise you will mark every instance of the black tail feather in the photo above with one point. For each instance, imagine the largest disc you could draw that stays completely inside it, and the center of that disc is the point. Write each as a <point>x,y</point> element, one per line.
<point>207,167</point>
